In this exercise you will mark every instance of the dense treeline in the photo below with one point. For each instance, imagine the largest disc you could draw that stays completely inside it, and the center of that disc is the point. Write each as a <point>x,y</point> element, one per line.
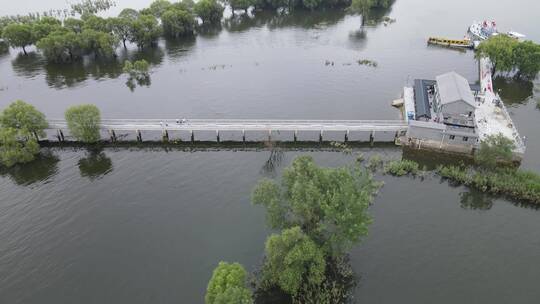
<point>64,37</point>
<point>510,56</point>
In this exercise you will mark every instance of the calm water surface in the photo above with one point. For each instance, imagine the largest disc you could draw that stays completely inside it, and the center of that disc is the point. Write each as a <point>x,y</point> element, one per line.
<point>148,226</point>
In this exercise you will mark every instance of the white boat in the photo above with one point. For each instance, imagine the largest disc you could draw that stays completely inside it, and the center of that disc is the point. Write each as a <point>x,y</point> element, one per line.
<point>483,30</point>
<point>515,35</point>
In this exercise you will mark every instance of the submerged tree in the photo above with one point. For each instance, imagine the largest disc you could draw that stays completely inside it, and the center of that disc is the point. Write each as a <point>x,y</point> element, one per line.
<point>145,31</point>
<point>177,23</point>
<point>329,204</point>
<point>121,28</point>
<point>138,72</point>
<point>292,260</point>
<point>500,50</point>
<point>228,285</point>
<point>18,35</point>
<point>210,11</point>
<point>22,116</point>
<point>83,122</point>
<point>17,146</point>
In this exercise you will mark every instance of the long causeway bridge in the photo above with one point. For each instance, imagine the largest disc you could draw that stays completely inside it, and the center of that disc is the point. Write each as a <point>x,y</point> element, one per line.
<point>239,125</point>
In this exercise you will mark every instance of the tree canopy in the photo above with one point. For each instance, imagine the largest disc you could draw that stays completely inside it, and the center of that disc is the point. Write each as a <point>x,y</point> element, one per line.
<point>17,146</point>
<point>329,204</point>
<point>23,116</point>
<point>210,11</point>
<point>508,55</point>
<point>20,125</point>
<point>228,285</point>
<point>494,149</point>
<point>83,122</point>
<point>177,23</point>
<point>293,259</point>
<point>18,35</point>
<point>145,31</point>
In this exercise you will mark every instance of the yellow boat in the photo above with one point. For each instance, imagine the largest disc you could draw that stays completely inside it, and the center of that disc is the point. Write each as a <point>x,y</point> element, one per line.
<point>461,43</point>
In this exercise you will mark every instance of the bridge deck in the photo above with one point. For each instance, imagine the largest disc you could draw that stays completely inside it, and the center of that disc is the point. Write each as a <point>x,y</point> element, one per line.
<point>243,125</point>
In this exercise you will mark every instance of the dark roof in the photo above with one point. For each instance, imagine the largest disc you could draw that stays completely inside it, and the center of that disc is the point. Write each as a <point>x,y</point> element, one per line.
<point>421,98</point>
<point>474,87</point>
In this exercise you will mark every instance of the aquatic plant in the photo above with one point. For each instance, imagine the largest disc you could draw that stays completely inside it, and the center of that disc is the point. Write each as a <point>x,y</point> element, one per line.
<point>401,167</point>
<point>515,183</point>
<point>367,62</point>
<point>375,162</point>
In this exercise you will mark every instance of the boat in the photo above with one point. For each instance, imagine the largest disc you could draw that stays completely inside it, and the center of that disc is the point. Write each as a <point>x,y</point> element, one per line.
<point>460,43</point>
<point>515,35</point>
<point>483,30</point>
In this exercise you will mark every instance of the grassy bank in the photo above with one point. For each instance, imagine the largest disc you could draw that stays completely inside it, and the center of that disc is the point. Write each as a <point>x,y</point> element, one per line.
<point>514,183</point>
<point>507,181</point>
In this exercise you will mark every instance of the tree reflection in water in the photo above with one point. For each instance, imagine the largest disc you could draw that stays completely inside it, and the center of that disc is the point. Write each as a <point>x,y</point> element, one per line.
<point>475,200</point>
<point>513,91</point>
<point>39,170</point>
<point>95,165</point>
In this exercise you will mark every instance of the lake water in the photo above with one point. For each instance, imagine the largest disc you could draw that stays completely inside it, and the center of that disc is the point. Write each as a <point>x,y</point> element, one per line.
<point>149,225</point>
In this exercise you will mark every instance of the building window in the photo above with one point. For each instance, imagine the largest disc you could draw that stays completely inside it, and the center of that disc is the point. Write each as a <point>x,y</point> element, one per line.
<point>465,138</point>
<point>452,137</point>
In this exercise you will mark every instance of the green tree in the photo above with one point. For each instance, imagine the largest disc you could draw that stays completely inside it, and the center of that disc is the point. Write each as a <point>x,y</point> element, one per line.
<point>121,28</point>
<point>129,13</point>
<point>17,146</point>
<point>362,7</point>
<point>20,115</point>
<point>292,260</point>
<point>158,7</point>
<point>500,50</point>
<point>145,31</point>
<point>91,6</point>
<point>44,27</point>
<point>93,22</point>
<point>493,150</point>
<point>18,35</point>
<point>228,285</point>
<point>61,46</point>
<point>177,23</point>
<point>98,43</point>
<point>527,59</point>
<point>329,204</point>
<point>210,11</point>
<point>74,25</point>
<point>83,122</point>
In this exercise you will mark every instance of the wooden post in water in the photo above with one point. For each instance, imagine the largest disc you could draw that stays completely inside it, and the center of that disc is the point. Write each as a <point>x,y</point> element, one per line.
<point>295,135</point>
<point>60,135</point>
<point>192,135</point>
<point>112,135</point>
<point>372,138</point>
<point>244,136</point>
<point>320,137</point>
<point>165,135</point>
<point>347,136</point>
<point>217,136</point>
